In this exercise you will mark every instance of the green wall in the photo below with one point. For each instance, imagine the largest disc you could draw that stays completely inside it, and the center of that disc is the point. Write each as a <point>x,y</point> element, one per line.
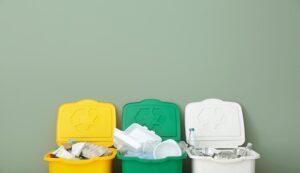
<point>59,51</point>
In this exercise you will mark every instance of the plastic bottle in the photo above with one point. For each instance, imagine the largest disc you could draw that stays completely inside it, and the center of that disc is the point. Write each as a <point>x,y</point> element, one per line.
<point>192,137</point>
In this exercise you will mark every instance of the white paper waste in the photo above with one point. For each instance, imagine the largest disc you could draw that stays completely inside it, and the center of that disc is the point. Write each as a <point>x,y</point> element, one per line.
<point>61,152</point>
<point>82,150</point>
<point>92,150</point>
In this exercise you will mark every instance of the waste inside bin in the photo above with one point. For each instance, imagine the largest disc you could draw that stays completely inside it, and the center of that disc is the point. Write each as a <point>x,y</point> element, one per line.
<point>85,121</point>
<point>164,119</point>
<point>216,127</point>
<point>139,141</point>
<point>136,139</point>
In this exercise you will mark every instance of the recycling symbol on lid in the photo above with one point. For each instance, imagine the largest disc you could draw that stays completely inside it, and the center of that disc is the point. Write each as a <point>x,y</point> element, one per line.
<point>150,117</point>
<point>83,119</point>
<point>211,118</point>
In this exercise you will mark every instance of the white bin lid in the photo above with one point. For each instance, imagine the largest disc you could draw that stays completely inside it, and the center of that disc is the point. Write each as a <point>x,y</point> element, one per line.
<point>216,123</point>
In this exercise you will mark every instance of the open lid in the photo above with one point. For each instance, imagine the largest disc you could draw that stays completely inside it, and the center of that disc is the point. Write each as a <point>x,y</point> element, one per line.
<point>86,121</point>
<point>216,123</point>
<point>161,117</point>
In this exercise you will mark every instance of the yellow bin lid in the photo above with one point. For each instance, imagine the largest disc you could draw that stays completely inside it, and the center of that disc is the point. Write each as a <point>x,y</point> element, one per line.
<point>86,121</point>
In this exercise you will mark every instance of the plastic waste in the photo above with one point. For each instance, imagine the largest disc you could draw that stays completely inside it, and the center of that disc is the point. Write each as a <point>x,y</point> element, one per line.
<point>141,134</point>
<point>222,154</point>
<point>196,151</point>
<point>183,146</point>
<point>192,137</point>
<point>139,141</point>
<point>166,148</point>
<point>209,151</point>
<point>242,152</point>
<point>135,138</point>
<point>124,142</point>
<point>226,155</point>
<point>149,146</point>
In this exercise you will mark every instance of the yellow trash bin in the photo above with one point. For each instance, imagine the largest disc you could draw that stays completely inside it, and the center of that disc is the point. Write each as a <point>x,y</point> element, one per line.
<point>85,121</point>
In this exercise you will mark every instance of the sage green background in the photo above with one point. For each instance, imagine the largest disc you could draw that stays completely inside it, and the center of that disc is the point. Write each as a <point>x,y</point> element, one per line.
<point>59,51</point>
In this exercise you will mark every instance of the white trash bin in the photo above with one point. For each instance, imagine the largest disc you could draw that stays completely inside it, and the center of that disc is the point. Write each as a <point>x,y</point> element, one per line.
<point>217,124</point>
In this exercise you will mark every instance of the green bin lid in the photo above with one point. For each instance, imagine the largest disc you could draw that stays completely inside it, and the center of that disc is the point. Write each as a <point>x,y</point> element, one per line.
<point>161,117</point>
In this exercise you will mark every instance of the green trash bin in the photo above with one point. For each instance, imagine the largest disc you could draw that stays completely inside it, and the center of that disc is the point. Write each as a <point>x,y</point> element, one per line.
<point>164,119</point>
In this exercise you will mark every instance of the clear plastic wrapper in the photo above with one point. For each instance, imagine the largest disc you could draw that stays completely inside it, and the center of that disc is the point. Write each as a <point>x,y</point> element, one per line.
<point>226,155</point>
<point>222,154</point>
